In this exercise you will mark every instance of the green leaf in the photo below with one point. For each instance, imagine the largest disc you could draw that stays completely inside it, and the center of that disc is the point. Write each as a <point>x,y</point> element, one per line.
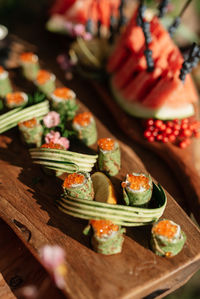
<point>1,105</point>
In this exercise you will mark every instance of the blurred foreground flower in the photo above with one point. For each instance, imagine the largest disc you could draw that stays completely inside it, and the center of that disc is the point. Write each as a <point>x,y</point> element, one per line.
<point>52,119</point>
<point>53,259</point>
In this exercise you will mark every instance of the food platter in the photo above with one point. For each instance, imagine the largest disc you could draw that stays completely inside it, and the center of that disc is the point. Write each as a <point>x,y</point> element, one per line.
<point>28,206</point>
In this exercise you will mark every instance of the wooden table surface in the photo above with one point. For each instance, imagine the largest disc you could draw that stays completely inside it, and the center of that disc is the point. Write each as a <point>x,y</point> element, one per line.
<point>158,169</point>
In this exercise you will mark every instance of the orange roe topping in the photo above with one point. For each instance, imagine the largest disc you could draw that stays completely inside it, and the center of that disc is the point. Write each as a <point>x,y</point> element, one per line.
<point>31,123</point>
<point>1,70</point>
<point>62,92</point>
<point>15,98</point>
<point>103,227</point>
<point>136,182</point>
<point>73,179</point>
<point>165,228</point>
<point>83,119</point>
<point>53,146</point>
<point>106,144</point>
<point>43,76</point>
<point>27,57</point>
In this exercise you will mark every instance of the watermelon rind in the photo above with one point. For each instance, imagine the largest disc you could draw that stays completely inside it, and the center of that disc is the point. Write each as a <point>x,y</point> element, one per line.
<point>164,113</point>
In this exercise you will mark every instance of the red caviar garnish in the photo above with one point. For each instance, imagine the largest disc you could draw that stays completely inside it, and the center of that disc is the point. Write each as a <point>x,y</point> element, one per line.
<point>43,76</point>
<point>136,182</point>
<point>106,144</point>
<point>28,57</point>
<point>73,179</point>
<point>83,119</point>
<point>103,227</point>
<point>52,145</point>
<point>62,92</point>
<point>1,70</point>
<point>165,228</point>
<point>15,98</point>
<point>31,123</point>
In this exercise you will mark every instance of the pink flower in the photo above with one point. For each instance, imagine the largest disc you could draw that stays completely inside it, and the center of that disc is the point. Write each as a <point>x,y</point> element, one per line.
<point>87,36</point>
<point>79,29</point>
<point>52,119</point>
<point>53,259</point>
<point>55,138</point>
<point>64,142</point>
<point>52,137</point>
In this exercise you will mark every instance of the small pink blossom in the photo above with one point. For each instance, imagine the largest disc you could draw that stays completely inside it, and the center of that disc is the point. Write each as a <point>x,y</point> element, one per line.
<point>53,259</point>
<point>69,27</point>
<point>87,36</point>
<point>52,137</point>
<point>64,142</point>
<point>79,29</point>
<point>52,119</point>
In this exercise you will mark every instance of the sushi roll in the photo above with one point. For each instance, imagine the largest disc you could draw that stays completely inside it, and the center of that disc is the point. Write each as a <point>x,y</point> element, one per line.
<point>63,100</point>
<point>167,238</point>
<point>107,237</point>
<point>45,81</point>
<point>78,185</point>
<point>5,86</point>
<point>109,160</point>
<point>31,132</point>
<point>137,189</point>
<point>30,65</point>
<point>84,124</point>
<point>16,99</point>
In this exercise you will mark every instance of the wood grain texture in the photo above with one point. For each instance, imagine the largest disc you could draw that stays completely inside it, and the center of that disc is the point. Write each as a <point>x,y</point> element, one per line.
<point>30,210</point>
<point>185,163</point>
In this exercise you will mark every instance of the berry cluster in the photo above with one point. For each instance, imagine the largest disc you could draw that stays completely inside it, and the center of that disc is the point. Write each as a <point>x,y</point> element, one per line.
<point>190,62</point>
<point>176,131</point>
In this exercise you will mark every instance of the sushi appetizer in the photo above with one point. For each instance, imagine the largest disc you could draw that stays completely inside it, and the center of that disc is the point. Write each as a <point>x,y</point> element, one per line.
<point>63,100</point>
<point>45,81</point>
<point>16,99</point>
<point>85,126</point>
<point>5,85</point>
<point>30,65</point>
<point>137,189</point>
<point>107,237</point>
<point>31,132</point>
<point>167,238</point>
<point>109,160</point>
<point>78,185</point>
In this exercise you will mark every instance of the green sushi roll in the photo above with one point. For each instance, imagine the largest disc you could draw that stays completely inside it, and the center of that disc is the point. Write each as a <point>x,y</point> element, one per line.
<point>78,185</point>
<point>63,100</point>
<point>109,160</point>
<point>107,237</point>
<point>16,99</point>
<point>137,189</point>
<point>30,65</point>
<point>167,238</point>
<point>45,81</point>
<point>31,132</point>
<point>85,125</point>
<point>5,86</point>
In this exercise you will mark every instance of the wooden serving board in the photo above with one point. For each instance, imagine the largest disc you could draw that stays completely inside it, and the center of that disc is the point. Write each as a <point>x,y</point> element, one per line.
<point>185,163</point>
<point>27,204</point>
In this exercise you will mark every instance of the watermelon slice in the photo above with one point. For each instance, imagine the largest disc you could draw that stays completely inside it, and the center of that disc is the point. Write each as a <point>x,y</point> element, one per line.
<point>159,94</point>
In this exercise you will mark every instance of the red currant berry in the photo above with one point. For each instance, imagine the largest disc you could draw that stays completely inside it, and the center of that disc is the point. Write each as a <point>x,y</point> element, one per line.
<point>168,131</point>
<point>159,137</point>
<point>158,123</point>
<point>165,139</point>
<point>150,122</point>
<point>151,139</point>
<point>172,138</point>
<point>147,133</point>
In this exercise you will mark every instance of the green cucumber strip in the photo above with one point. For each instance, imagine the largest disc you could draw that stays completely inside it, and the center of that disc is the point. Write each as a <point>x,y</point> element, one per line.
<point>63,152</point>
<point>62,166</point>
<point>13,111</point>
<point>62,160</point>
<point>19,118</point>
<point>25,113</point>
<point>140,211</point>
<point>122,223</point>
<point>111,215</point>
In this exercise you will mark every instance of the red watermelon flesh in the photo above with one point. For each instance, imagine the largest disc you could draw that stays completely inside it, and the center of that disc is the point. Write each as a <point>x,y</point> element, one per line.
<point>162,87</point>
